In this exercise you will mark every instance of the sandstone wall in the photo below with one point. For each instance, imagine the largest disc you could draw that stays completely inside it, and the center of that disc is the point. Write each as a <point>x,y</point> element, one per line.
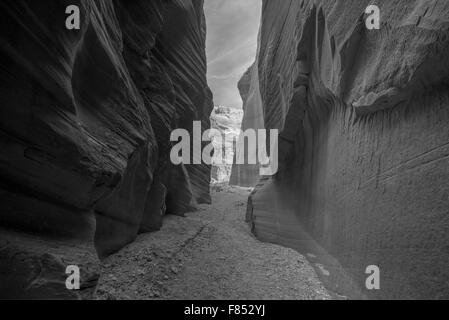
<point>247,175</point>
<point>364,141</point>
<point>84,130</point>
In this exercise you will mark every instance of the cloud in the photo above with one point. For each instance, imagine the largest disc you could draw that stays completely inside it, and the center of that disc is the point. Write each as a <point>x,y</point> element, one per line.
<point>232,28</point>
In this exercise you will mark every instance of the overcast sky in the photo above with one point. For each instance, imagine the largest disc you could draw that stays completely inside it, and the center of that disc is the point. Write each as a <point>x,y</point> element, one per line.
<point>232,28</point>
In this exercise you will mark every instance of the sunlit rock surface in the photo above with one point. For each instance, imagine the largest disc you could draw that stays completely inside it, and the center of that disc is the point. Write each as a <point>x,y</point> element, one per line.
<point>85,122</point>
<point>364,142</point>
<point>227,121</point>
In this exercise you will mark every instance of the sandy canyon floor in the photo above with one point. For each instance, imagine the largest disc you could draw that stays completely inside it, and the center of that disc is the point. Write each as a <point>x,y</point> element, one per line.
<point>210,254</point>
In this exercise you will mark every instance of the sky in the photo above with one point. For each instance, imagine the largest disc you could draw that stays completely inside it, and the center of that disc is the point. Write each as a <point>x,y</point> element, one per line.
<point>231,45</point>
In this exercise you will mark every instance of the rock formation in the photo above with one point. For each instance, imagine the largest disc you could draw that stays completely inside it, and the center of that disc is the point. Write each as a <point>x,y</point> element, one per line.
<point>247,175</point>
<point>85,127</point>
<point>364,141</point>
<point>227,121</point>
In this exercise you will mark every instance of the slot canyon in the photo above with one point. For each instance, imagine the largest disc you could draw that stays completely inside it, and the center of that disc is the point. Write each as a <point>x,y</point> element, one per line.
<point>86,177</point>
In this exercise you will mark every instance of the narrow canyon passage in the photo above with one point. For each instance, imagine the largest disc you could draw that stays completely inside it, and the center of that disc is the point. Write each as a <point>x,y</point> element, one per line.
<point>210,254</point>
<point>335,112</point>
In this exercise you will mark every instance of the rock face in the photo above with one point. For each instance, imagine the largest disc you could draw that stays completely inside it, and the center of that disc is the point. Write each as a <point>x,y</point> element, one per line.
<point>364,141</point>
<point>227,121</point>
<point>247,175</point>
<point>85,127</point>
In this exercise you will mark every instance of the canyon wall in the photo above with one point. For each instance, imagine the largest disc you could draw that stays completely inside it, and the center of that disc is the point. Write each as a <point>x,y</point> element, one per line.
<point>246,174</point>
<point>364,143</point>
<point>85,130</point>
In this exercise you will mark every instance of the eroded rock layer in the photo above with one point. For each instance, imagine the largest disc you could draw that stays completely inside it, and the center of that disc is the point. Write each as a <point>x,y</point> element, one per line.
<point>227,121</point>
<point>85,127</point>
<point>364,141</point>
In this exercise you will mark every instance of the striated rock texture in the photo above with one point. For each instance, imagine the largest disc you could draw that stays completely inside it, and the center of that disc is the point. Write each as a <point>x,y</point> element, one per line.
<point>364,141</point>
<point>227,121</point>
<point>247,175</point>
<point>84,128</point>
